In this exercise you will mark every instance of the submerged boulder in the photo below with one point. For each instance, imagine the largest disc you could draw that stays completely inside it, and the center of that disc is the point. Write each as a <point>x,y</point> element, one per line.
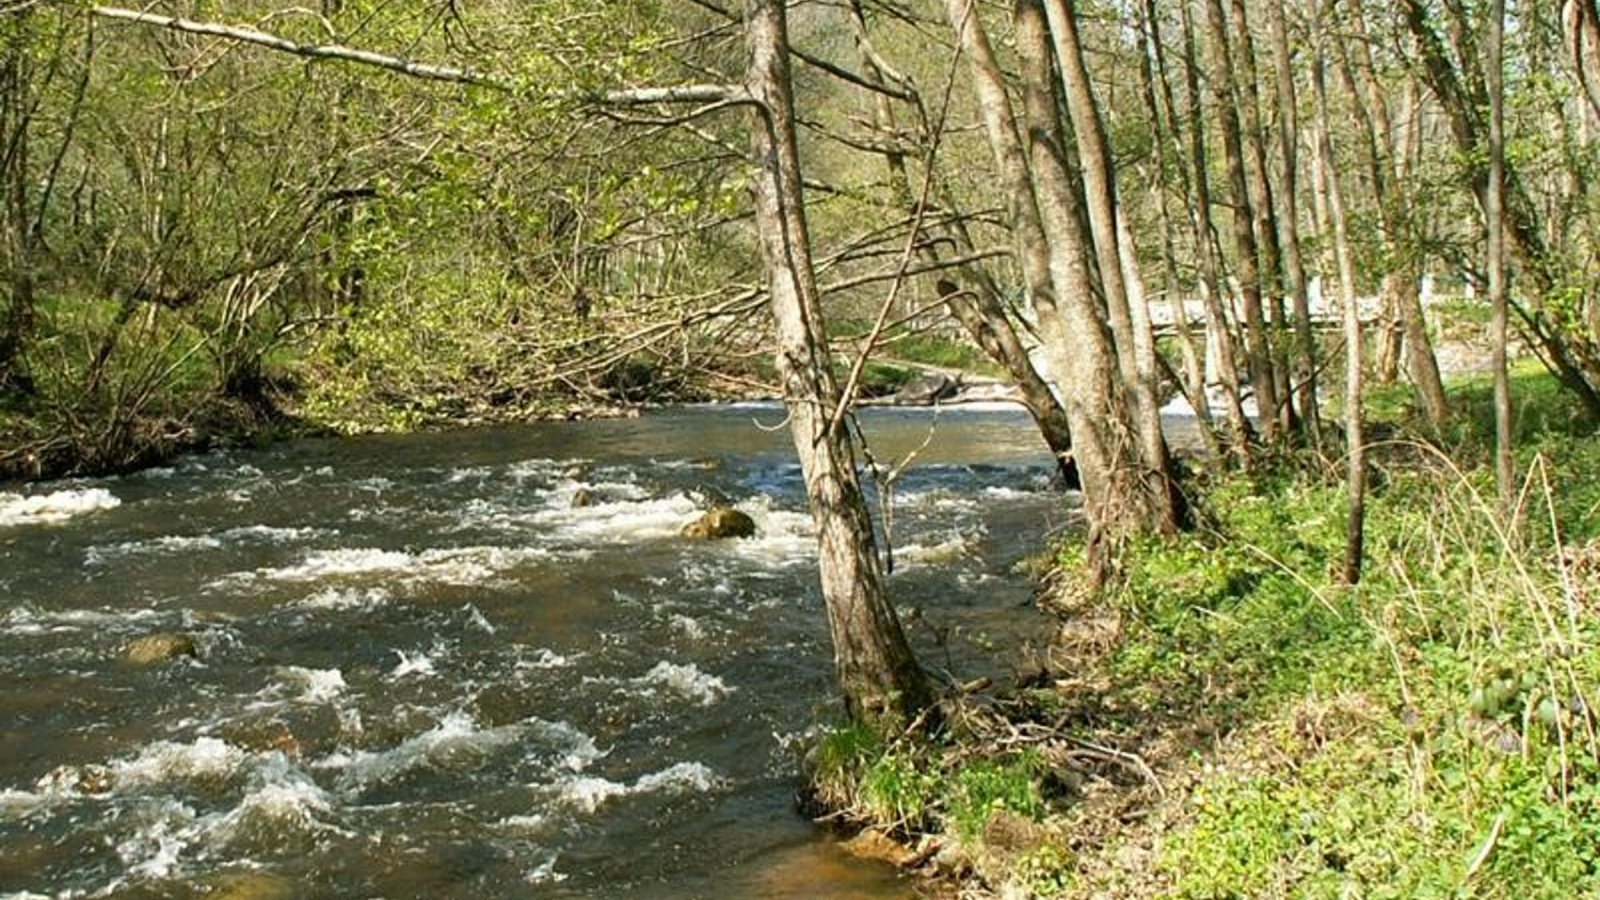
<point>251,886</point>
<point>159,647</point>
<point>721,522</point>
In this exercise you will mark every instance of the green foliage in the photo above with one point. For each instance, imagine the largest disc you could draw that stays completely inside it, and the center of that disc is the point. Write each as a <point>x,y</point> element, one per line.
<point>1391,734</point>
<point>901,790</point>
<point>985,786</point>
<point>936,350</point>
<point>915,787</point>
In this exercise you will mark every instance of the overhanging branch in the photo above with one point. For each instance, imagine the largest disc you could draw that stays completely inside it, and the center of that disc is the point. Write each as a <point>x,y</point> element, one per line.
<point>692,93</point>
<point>247,35</point>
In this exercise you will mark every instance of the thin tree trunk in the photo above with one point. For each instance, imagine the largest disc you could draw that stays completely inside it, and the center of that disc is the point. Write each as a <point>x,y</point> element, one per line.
<point>883,685</point>
<point>1224,81</point>
<point>1288,198</point>
<point>1262,207</point>
<point>1211,287</point>
<point>1494,216</point>
<point>1356,484</point>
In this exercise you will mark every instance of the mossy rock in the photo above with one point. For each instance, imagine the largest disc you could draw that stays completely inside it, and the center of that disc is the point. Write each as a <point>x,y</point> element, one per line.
<point>720,522</point>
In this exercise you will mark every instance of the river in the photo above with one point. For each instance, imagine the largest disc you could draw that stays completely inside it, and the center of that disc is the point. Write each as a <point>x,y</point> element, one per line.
<point>420,671</point>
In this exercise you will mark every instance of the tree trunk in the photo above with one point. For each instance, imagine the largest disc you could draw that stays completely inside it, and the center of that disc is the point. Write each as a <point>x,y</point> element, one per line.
<point>1356,483</point>
<point>1422,365</point>
<point>1224,81</point>
<point>1054,254</point>
<point>1494,215</point>
<point>1288,198</point>
<point>1262,219</point>
<point>1164,127</point>
<point>1118,264</point>
<point>15,115</point>
<point>883,685</point>
<point>1211,287</point>
<point>976,302</point>
<point>1582,24</point>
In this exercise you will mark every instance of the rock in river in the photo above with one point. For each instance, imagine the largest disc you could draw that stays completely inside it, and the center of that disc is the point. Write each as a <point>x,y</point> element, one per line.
<point>159,647</point>
<point>721,522</point>
<point>927,390</point>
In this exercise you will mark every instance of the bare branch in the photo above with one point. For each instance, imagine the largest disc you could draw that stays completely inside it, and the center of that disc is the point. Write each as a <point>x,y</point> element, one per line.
<point>688,93</point>
<point>693,93</point>
<point>249,35</point>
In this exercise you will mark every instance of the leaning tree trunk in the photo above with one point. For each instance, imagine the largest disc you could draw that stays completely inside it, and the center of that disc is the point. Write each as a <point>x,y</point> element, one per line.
<point>1356,486</point>
<point>976,301</point>
<point>883,685</point>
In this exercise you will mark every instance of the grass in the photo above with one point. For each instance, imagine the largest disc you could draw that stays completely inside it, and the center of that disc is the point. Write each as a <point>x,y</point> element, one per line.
<point>1429,733</point>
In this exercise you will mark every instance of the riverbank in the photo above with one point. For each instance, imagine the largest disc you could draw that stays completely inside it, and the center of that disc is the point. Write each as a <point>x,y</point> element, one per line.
<point>57,434</point>
<point>1232,722</point>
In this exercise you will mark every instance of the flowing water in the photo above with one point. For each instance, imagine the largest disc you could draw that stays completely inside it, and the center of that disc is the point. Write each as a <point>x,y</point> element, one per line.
<point>420,671</point>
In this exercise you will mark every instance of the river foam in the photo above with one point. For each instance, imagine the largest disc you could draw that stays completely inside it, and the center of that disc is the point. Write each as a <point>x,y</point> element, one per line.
<point>587,794</point>
<point>56,507</point>
<point>686,681</point>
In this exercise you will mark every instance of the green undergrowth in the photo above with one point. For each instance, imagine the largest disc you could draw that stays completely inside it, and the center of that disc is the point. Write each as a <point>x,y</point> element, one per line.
<point>1429,733</point>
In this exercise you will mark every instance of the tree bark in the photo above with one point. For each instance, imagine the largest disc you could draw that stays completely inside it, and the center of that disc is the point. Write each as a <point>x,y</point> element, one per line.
<point>1355,447</point>
<point>1288,198</point>
<point>1054,254</point>
<point>976,302</point>
<point>1494,215</point>
<point>1581,19</point>
<point>883,685</point>
<point>1118,264</point>
<point>1262,208</point>
<point>1211,286</point>
<point>1224,82</point>
<point>1192,379</point>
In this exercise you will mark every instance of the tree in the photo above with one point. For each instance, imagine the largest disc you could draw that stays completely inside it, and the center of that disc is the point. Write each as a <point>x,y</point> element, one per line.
<point>1355,441</point>
<point>1225,80</point>
<point>1125,493</point>
<point>882,683</point>
<point>1495,224</point>
<point>1288,218</point>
